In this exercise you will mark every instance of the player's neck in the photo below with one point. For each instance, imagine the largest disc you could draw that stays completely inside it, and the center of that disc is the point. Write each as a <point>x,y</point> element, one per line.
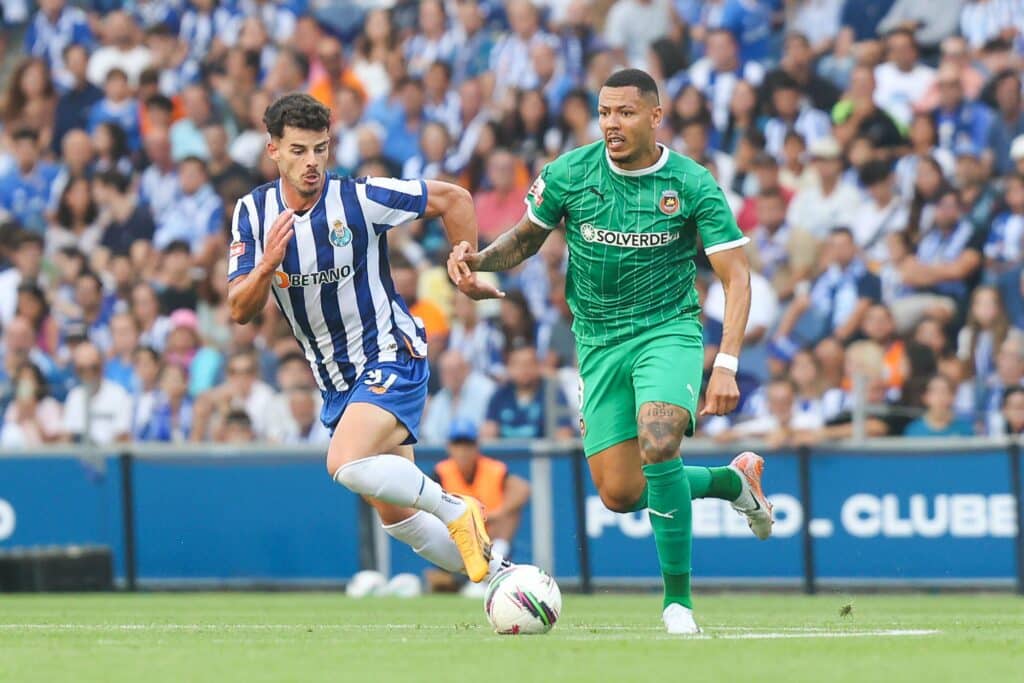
<point>296,201</point>
<point>649,158</point>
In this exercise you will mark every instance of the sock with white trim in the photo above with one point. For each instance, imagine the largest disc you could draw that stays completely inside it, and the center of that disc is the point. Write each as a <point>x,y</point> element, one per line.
<point>395,480</point>
<point>428,537</point>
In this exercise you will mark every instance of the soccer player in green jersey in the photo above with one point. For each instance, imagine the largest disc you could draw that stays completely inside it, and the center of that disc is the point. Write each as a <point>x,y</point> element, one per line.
<point>632,211</point>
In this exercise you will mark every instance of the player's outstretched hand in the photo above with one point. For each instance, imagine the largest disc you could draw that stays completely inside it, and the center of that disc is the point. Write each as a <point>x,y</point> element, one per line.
<point>463,276</point>
<point>277,237</point>
<point>722,394</point>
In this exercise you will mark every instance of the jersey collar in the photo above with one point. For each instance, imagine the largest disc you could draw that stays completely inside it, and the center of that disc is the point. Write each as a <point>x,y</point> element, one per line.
<point>656,166</point>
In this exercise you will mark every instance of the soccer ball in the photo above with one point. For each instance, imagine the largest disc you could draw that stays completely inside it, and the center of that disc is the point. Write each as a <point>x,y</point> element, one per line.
<point>521,600</point>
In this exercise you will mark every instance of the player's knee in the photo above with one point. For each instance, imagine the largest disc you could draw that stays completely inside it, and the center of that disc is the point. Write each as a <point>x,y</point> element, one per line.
<point>655,453</point>
<point>620,500</point>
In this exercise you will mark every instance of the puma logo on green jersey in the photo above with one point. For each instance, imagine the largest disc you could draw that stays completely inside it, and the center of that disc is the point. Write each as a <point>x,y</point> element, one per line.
<point>635,240</point>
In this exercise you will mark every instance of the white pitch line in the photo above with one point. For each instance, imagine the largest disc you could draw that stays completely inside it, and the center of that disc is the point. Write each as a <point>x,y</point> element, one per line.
<point>570,632</point>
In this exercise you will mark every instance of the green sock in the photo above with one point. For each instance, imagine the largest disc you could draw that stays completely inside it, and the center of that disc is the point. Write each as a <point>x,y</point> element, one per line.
<point>705,482</point>
<point>669,508</point>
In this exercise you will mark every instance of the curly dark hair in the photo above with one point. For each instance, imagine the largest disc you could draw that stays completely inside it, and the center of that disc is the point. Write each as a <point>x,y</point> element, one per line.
<point>297,110</point>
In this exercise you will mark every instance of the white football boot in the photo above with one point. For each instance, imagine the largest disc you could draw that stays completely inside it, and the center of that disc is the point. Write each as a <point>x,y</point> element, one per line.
<point>752,502</point>
<point>679,621</point>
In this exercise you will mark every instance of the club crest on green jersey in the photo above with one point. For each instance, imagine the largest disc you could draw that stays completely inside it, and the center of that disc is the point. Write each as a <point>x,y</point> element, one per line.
<point>669,202</point>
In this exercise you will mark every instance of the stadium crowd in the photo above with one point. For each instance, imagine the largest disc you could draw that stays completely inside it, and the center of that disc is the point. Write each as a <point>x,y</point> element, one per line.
<point>873,150</point>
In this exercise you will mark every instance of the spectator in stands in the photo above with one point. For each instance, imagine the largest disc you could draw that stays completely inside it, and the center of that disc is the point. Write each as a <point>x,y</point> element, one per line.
<point>26,264</point>
<point>857,115</point>
<point>1004,250</point>
<point>501,206</point>
<point>885,213</point>
<point>476,338</point>
<point>830,203</point>
<point>957,120</point>
<point>878,326</point>
<point>744,123</point>
<point>237,428</point>
<point>171,416</point>
<point>464,395</point>
<point>633,25</point>
<point>717,74</point>
<point>30,99</point>
<point>790,112</point>
<point>221,168</point>
<point>1009,373</point>
<point>186,134</point>
<point>124,340</point>
<point>837,301</point>
<point>97,411</point>
<point>119,107</point>
<point>939,419</point>
<point>33,306</point>
<point>76,219</point>
<point>775,243</point>
<point>1007,124</point>
<point>948,258</point>
<point>125,220</point>
<point>112,150</point>
<point>519,409</point>
<point>923,138</point>
<point>978,195</point>
<point>146,368</point>
<point>121,50</point>
<point>33,417</point>
<point>25,190</point>
<point>780,420</point>
<point>429,163</point>
<point>407,282</point>
<point>797,66</point>
<point>433,42</point>
<point>145,306</point>
<point>198,215</point>
<point>902,80</point>
<point>54,27</point>
<point>177,289</point>
<point>1013,411</point>
<point>510,57</point>
<point>929,24</point>
<point>467,471</point>
<point>301,424</point>
<point>929,185</point>
<point>241,391</point>
<point>158,183</point>
<point>95,308</point>
<point>987,328</point>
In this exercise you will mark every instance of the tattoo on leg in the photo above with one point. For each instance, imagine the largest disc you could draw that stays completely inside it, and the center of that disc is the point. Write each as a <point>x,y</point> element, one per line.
<point>660,429</point>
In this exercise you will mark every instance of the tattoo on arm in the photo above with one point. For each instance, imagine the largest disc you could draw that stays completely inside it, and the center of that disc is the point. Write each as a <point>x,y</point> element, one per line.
<point>660,429</point>
<point>512,247</point>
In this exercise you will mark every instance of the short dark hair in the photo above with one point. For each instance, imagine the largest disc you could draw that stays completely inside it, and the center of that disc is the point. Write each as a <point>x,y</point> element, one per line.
<point>297,110</point>
<point>111,178</point>
<point>116,72</point>
<point>193,159</point>
<point>25,133</point>
<point>842,230</point>
<point>90,275</point>
<point>903,31</point>
<point>160,101</point>
<point>874,172</point>
<point>177,247</point>
<point>1010,393</point>
<point>641,80</point>
<point>771,193</point>
<point>238,418</point>
<point>25,237</point>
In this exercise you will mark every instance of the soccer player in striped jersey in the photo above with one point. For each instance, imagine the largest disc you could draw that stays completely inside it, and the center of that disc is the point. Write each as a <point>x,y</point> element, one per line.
<point>316,243</point>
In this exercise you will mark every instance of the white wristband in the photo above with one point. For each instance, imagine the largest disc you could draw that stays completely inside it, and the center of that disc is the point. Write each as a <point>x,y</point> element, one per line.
<point>727,361</point>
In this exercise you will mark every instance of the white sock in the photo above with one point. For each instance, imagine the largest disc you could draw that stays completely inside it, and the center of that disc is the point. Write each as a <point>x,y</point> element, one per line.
<point>428,537</point>
<point>500,547</point>
<point>395,480</point>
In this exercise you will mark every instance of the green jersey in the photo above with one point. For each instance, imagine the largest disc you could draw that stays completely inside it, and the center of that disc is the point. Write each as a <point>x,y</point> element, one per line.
<point>632,237</point>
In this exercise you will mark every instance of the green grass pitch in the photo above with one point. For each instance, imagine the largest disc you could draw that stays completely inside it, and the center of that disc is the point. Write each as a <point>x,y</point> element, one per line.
<point>151,638</point>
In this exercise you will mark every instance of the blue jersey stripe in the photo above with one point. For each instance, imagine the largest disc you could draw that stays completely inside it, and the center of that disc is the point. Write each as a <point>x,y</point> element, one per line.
<point>329,302</point>
<point>361,280</point>
<point>393,199</point>
<point>298,301</point>
<point>385,279</point>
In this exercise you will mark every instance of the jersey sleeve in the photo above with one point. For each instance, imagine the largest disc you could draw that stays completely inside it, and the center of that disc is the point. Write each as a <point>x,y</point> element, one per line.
<point>242,251</point>
<point>546,199</point>
<point>715,222</point>
<point>387,202</point>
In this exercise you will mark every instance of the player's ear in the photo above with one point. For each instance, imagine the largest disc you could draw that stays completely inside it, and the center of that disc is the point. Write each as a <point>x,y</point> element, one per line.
<point>272,149</point>
<point>657,114</point>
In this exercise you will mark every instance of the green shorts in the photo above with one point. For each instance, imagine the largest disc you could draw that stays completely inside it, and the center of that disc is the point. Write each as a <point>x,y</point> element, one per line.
<point>665,363</point>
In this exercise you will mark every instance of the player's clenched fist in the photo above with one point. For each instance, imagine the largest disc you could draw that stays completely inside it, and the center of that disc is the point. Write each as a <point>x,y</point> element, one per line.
<point>465,279</point>
<point>722,395</point>
<point>277,237</point>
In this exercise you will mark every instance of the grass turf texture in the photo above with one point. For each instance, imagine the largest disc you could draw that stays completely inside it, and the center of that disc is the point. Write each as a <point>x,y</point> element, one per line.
<point>306,637</point>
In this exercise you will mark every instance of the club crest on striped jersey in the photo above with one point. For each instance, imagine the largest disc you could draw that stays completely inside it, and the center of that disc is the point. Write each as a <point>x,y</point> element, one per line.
<point>669,202</point>
<point>340,235</point>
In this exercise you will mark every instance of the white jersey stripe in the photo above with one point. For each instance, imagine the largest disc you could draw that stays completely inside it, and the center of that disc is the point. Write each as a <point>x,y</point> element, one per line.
<point>347,288</point>
<point>306,245</point>
<point>385,334</point>
<point>408,325</point>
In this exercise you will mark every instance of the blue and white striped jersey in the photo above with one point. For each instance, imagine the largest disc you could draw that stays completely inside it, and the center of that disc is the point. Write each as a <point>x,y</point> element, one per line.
<point>334,285</point>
